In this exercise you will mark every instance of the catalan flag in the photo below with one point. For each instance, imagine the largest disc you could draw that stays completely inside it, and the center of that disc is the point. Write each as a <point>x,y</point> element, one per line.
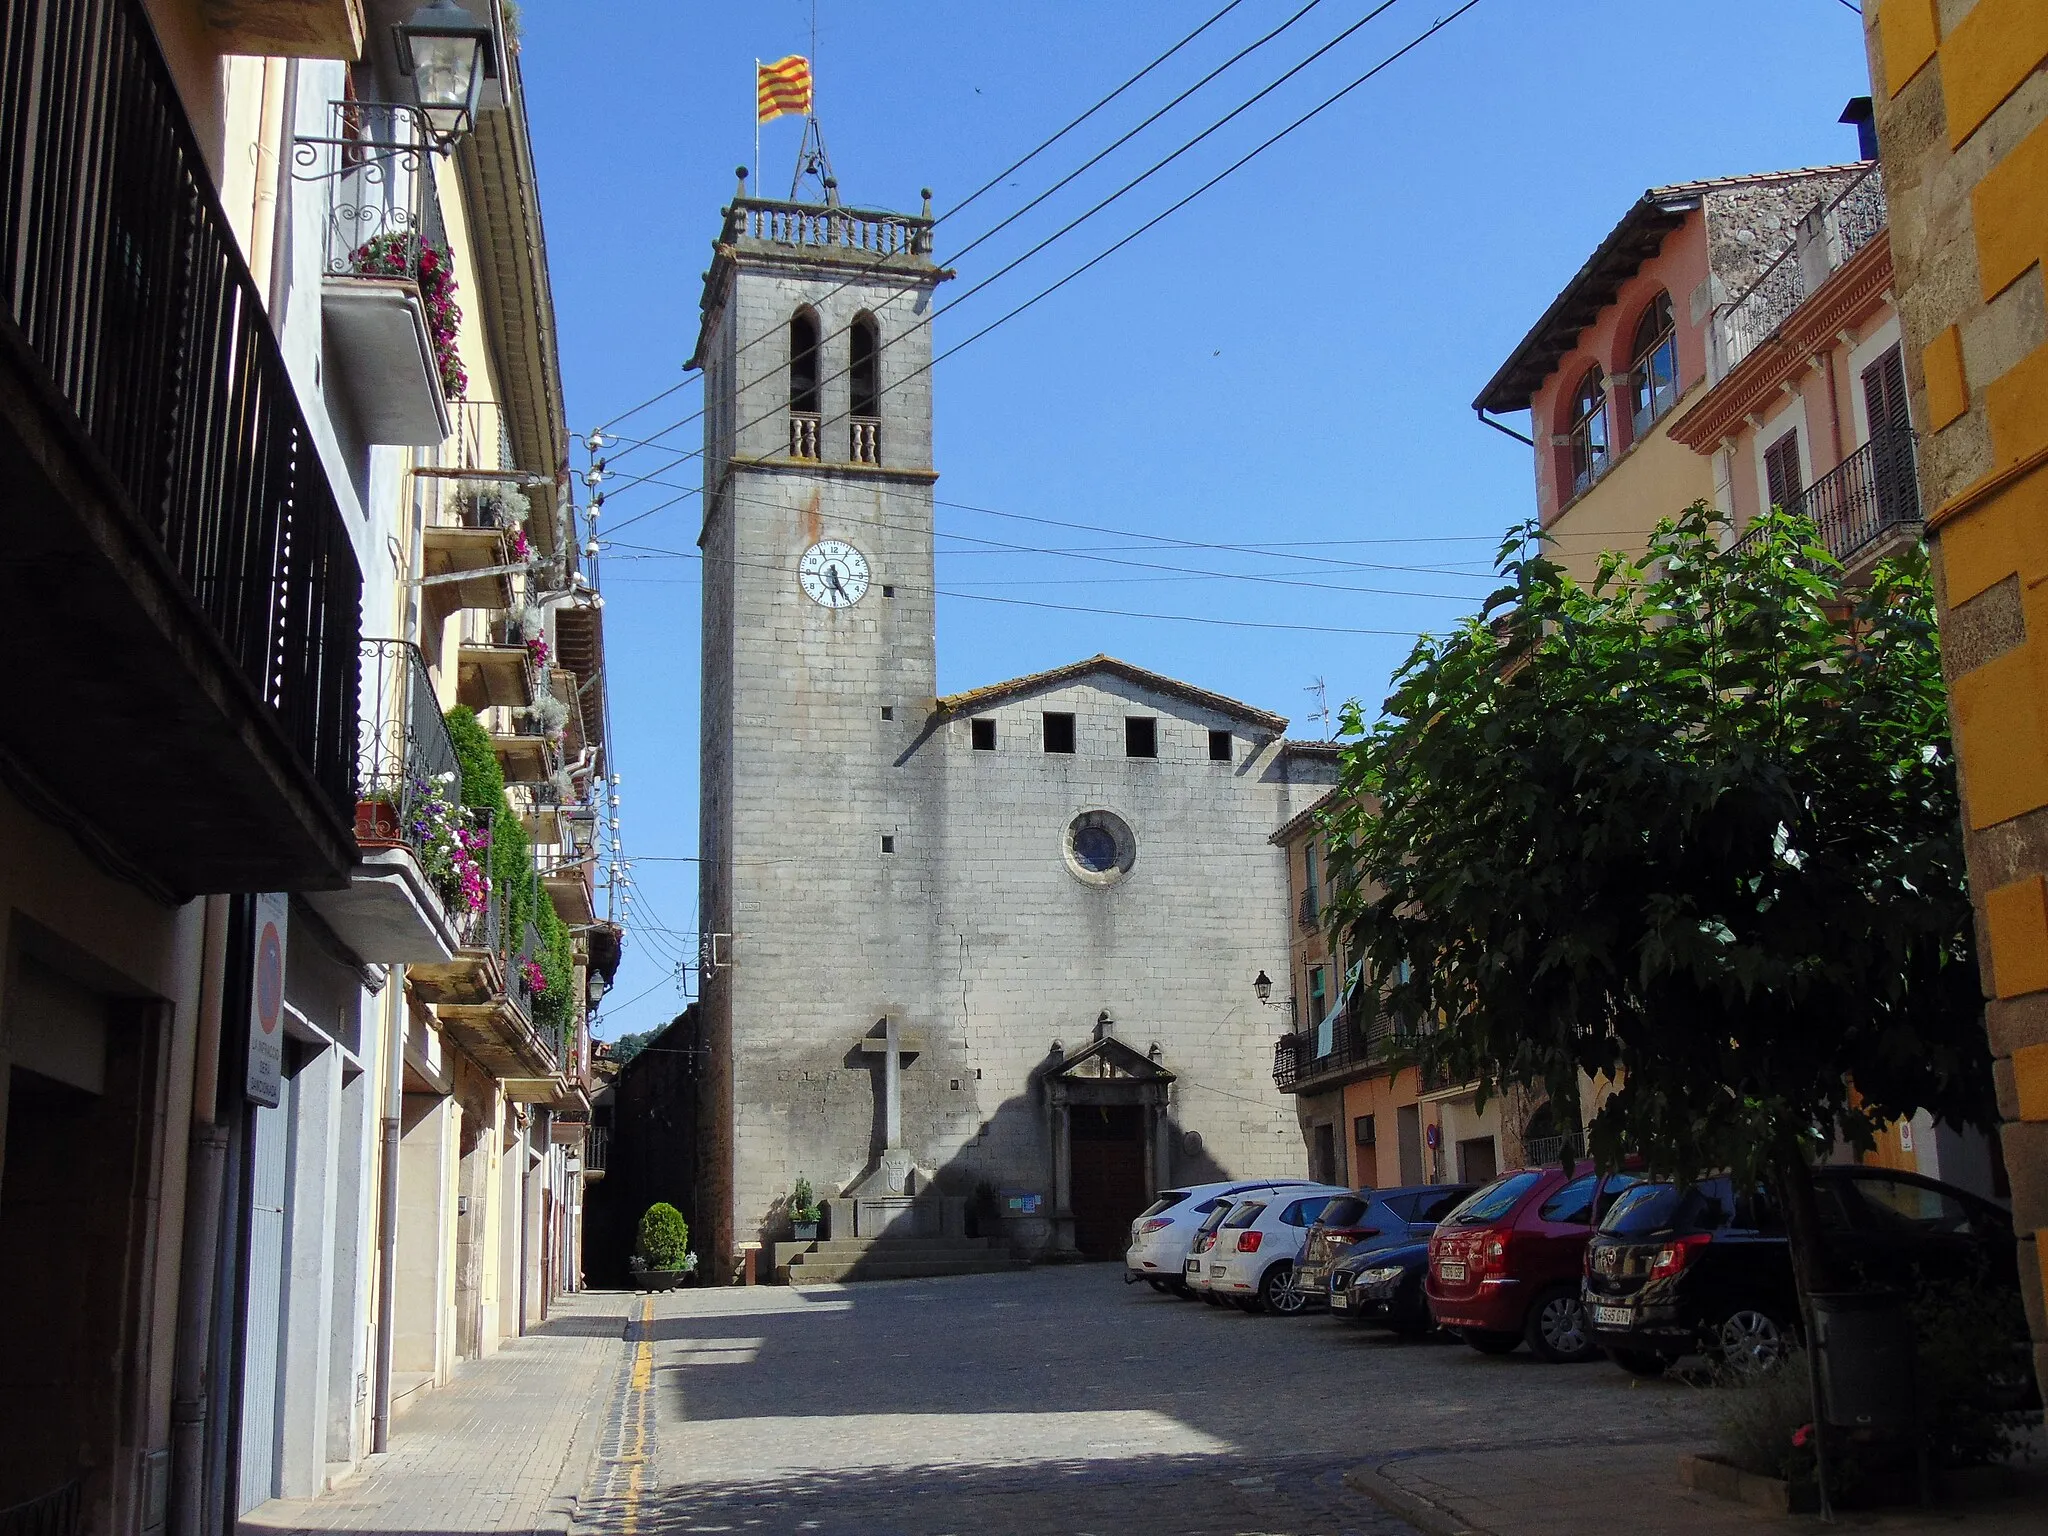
<point>782,88</point>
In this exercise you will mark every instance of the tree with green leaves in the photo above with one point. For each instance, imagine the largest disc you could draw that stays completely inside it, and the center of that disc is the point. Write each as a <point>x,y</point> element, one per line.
<point>1689,832</point>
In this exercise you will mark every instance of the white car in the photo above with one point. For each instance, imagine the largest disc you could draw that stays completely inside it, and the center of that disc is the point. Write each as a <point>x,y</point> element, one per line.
<point>1164,1230</point>
<point>1253,1257</point>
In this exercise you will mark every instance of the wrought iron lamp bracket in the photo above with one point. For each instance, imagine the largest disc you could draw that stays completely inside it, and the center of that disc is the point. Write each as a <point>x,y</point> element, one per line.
<point>323,157</point>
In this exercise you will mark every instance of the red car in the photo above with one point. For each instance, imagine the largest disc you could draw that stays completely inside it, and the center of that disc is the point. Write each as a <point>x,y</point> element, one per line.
<point>1505,1267</point>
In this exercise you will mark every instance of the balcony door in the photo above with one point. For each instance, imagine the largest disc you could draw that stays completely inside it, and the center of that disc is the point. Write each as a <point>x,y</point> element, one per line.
<point>1891,442</point>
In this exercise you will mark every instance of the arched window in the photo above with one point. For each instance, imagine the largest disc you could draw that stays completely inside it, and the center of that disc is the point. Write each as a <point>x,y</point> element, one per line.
<point>865,370</point>
<point>803,385</point>
<point>1653,365</point>
<point>864,373</point>
<point>803,362</point>
<point>1589,431</point>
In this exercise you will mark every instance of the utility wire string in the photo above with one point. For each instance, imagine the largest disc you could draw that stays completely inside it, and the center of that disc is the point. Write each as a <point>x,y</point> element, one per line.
<point>989,185</point>
<point>1084,217</point>
<point>1094,261</point>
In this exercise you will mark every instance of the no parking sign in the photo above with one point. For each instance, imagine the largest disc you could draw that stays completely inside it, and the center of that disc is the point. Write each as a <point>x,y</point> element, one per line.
<point>265,1077</point>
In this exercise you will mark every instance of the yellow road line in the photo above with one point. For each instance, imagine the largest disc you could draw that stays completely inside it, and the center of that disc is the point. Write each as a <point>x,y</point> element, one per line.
<point>634,1452</point>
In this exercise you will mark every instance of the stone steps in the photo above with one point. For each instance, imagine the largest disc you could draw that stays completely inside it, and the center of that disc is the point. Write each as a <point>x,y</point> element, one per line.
<point>898,1258</point>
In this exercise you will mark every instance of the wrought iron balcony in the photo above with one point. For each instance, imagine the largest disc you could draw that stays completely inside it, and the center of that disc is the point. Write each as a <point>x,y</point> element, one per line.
<point>1828,237</point>
<point>387,270</point>
<point>597,1151</point>
<point>1355,1045</point>
<point>1872,494</point>
<point>174,550</point>
<point>424,855</point>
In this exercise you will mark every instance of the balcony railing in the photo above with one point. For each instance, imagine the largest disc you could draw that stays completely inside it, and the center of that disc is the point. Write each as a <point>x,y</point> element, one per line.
<point>1873,492</point>
<point>121,279</point>
<point>864,440</point>
<point>377,164</point>
<point>820,227</point>
<point>803,435</point>
<point>1827,238</point>
<point>1355,1042</point>
<point>597,1150</point>
<point>482,439</point>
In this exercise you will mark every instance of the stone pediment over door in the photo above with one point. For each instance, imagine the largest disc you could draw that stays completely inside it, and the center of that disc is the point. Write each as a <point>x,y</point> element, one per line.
<point>1106,1071</point>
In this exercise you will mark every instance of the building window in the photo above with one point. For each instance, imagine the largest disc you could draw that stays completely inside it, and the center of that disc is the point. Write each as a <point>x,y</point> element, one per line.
<point>1219,746</point>
<point>1310,896</point>
<point>984,735</point>
<point>888,843</point>
<point>1588,435</point>
<point>1318,994</point>
<point>888,711</point>
<point>803,385</point>
<point>1782,479</point>
<point>864,372</point>
<point>1141,736</point>
<point>1059,732</point>
<point>864,445</point>
<point>1362,1131</point>
<point>1653,366</point>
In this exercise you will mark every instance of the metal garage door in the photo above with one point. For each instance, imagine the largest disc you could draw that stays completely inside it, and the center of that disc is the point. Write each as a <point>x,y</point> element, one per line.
<point>260,1405</point>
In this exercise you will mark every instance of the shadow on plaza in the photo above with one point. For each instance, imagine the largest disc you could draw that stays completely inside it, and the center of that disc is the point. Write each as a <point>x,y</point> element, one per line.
<point>1124,1493</point>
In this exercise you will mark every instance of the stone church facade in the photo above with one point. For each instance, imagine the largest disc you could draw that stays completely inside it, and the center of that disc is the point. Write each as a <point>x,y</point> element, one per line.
<point>1055,892</point>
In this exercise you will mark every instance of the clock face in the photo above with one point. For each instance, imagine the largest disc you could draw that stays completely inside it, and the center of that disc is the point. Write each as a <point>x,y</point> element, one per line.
<point>834,574</point>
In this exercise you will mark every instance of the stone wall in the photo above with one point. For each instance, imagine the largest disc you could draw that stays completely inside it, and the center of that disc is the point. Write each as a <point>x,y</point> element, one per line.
<point>1962,118</point>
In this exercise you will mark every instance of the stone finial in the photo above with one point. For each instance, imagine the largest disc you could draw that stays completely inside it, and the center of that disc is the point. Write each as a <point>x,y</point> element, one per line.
<point>741,172</point>
<point>831,191</point>
<point>926,193</point>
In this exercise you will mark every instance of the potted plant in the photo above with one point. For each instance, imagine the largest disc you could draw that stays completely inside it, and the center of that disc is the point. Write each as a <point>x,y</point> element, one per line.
<point>664,1257</point>
<point>803,1210</point>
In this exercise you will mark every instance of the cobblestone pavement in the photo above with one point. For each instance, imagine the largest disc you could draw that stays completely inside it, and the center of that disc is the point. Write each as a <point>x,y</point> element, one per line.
<point>1060,1400</point>
<point>504,1448</point>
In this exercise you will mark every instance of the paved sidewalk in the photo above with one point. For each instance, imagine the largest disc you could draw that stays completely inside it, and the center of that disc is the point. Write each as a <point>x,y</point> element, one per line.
<point>506,1447</point>
<point>1545,1489</point>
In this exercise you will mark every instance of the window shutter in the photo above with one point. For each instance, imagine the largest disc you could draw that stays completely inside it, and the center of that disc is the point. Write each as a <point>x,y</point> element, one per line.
<point>1781,470</point>
<point>1884,393</point>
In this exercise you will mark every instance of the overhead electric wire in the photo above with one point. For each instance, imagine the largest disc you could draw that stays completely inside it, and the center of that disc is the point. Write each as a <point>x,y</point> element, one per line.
<point>1129,186</point>
<point>1237,165</point>
<point>1011,169</point>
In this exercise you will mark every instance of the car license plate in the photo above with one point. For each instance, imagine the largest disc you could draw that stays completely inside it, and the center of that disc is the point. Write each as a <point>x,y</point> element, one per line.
<point>1450,1269</point>
<point>1340,1298</point>
<point>1613,1317</point>
<point>1217,1271</point>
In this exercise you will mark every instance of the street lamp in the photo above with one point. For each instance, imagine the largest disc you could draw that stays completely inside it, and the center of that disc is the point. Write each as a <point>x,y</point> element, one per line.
<point>447,53</point>
<point>596,988</point>
<point>1262,985</point>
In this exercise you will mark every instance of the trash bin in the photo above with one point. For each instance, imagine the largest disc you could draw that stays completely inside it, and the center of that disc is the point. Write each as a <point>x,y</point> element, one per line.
<point>1863,1354</point>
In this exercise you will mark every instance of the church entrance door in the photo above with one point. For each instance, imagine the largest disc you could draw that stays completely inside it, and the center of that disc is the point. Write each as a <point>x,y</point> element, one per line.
<point>1107,1148</point>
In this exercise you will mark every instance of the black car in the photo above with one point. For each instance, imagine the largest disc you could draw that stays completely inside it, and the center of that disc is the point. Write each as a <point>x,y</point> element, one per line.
<point>1382,1287</point>
<point>1373,1218</point>
<point>1674,1270</point>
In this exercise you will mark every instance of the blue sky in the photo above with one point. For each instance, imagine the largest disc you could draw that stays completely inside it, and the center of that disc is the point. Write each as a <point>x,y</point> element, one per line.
<point>1288,362</point>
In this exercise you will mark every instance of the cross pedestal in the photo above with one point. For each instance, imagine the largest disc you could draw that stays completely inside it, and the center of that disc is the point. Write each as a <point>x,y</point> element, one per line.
<point>893,1046</point>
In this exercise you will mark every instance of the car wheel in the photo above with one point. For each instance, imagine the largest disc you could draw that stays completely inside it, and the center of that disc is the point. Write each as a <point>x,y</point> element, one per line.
<point>1748,1340</point>
<point>1557,1330</point>
<point>1280,1290</point>
<point>1488,1342</point>
<point>1640,1362</point>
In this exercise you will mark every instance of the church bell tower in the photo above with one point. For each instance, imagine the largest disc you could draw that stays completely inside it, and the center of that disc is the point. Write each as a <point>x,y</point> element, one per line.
<point>818,673</point>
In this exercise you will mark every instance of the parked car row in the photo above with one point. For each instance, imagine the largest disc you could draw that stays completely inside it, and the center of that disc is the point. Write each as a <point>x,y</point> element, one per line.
<point>1574,1266</point>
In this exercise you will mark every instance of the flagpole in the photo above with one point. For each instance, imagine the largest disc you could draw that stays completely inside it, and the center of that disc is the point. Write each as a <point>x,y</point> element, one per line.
<point>757,122</point>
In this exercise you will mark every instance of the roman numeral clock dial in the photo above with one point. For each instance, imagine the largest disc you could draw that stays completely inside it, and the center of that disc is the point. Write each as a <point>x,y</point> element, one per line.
<point>833,574</point>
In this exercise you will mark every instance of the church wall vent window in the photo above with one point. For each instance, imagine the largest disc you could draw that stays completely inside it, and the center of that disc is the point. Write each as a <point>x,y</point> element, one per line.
<point>888,843</point>
<point>1219,747</point>
<point>803,385</point>
<point>888,711</point>
<point>1141,736</point>
<point>1059,732</point>
<point>984,732</point>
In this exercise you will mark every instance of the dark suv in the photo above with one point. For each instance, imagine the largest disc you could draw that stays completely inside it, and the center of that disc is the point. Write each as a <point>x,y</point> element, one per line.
<point>1677,1270</point>
<point>1372,1219</point>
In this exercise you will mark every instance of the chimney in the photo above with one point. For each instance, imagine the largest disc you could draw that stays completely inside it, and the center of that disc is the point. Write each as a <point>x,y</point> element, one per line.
<point>1859,113</point>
